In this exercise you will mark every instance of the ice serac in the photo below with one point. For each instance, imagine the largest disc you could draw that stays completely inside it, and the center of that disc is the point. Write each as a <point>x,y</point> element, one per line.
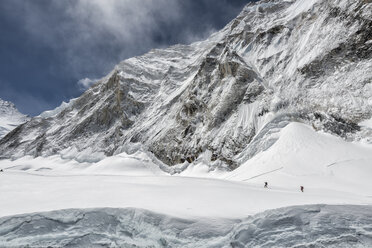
<point>299,226</point>
<point>10,117</point>
<point>226,98</point>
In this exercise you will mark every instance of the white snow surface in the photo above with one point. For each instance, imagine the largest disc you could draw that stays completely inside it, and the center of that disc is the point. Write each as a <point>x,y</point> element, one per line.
<point>366,123</point>
<point>331,170</point>
<point>57,110</point>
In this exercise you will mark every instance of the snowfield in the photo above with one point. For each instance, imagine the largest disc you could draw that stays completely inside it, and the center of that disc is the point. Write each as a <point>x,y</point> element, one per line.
<point>333,172</point>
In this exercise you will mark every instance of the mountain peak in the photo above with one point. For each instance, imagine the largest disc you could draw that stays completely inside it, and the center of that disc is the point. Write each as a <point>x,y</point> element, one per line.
<point>10,117</point>
<point>226,98</point>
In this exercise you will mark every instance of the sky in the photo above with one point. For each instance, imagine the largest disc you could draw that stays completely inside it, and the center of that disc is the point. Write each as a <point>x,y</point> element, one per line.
<point>51,50</point>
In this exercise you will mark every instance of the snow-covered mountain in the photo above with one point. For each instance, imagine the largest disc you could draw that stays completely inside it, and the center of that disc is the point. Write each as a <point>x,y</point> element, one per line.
<point>224,99</point>
<point>10,117</point>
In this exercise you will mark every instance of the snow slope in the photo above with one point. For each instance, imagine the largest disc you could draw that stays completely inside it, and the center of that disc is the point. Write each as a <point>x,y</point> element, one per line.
<point>198,206</point>
<point>177,196</point>
<point>332,171</point>
<point>10,117</point>
<point>302,156</point>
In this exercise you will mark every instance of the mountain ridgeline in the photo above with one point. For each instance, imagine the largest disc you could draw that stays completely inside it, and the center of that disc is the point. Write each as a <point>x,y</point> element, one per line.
<point>10,117</point>
<point>226,98</point>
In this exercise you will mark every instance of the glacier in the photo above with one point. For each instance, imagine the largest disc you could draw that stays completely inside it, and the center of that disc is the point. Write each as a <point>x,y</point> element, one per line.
<point>300,226</point>
<point>172,148</point>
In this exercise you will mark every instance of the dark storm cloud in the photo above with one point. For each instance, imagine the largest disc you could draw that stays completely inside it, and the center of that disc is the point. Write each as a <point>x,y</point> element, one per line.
<point>48,46</point>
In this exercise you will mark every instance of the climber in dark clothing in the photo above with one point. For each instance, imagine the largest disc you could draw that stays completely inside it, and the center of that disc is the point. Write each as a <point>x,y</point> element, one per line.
<point>265,186</point>
<point>1,170</point>
<point>302,188</point>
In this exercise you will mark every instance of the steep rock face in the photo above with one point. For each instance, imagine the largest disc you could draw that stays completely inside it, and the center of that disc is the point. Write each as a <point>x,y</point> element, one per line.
<point>227,97</point>
<point>223,82</point>
<point>10,117</point>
